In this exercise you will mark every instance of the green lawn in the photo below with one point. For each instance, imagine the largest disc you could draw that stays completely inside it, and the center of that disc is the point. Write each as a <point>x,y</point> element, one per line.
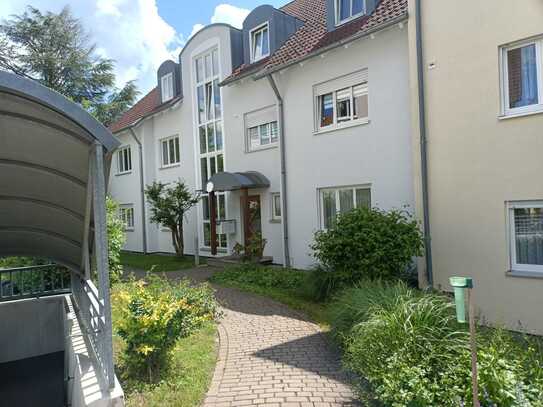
<point>285,286</point>
<point>158,263</point>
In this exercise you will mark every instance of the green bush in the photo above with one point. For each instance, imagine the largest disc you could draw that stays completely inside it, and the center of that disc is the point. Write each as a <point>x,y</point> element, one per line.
<point>153,316</point>
<point>115,240</point>
<point>412,351</point>
<point>366,243</point>
<point>265,277</point>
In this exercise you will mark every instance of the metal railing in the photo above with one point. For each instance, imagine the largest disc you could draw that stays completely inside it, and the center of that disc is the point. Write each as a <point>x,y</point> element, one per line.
<point>91,312</point>
<point>34,281</point>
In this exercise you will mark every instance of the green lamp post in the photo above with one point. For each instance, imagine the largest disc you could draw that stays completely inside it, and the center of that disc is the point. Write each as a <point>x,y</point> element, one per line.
<point>461,285</point>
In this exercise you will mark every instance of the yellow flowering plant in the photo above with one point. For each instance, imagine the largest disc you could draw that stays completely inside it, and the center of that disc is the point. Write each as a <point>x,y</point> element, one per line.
<point>154,315</point>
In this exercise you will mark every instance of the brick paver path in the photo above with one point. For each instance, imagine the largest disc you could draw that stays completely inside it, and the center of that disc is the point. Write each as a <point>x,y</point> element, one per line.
<point>270,355</point>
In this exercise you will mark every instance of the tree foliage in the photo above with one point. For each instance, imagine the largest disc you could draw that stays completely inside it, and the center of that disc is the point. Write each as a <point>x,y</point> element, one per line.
<point>169,204</point>
<point>55,50</point>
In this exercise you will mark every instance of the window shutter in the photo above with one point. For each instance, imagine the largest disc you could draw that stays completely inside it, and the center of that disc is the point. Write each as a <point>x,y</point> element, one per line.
<point>341,82</point>
<point>262,116</point>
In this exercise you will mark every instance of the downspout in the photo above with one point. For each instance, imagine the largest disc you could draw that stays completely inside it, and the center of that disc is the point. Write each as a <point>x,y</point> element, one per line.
<point>423,145</point>
<point>284,211</point>
<point>142,190</point>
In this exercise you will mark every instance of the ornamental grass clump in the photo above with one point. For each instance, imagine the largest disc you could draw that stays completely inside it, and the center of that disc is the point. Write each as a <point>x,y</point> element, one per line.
<point>409,347</point>
<point>154,316</point>
<point>408,351</point>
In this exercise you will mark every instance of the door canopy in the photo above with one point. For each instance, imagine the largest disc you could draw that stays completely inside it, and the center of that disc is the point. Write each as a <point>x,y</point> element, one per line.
<point>46,146</point>
<point>233,181</point>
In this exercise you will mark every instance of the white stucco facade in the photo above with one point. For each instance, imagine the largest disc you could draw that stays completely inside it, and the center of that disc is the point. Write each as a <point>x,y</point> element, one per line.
<point>374,153</point>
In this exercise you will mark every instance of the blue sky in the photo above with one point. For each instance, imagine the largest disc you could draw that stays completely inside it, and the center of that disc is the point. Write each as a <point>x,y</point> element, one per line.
<point>140,34</point>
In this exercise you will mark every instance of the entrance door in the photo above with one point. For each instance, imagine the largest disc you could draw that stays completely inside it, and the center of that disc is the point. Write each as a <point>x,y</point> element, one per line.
<point>253,224</point>
<point>255,216</point>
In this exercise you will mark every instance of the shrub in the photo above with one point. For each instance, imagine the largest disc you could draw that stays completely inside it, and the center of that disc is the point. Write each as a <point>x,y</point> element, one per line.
<point>412,351</point>
<point>266,277</point>
<point>152,318</point>
<point>115,240</point>
<point>366,243</point>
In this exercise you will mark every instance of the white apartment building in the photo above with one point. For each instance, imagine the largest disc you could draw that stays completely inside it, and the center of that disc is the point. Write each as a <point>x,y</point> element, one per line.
<point>302,114</point>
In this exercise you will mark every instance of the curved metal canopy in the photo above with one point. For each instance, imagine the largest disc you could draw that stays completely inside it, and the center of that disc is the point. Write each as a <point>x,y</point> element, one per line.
<point>45,154</point>
<point>232,181</point>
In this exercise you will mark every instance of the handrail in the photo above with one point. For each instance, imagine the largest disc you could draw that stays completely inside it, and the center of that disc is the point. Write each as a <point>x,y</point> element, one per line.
<point>33,282</point>
<point>90,309</point>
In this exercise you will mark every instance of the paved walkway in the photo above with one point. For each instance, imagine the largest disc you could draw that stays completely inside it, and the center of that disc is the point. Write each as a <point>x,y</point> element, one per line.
<point>269,355</point>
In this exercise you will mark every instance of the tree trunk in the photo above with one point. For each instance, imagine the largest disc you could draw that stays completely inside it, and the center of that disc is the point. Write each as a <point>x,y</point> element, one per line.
<point>177,240</point>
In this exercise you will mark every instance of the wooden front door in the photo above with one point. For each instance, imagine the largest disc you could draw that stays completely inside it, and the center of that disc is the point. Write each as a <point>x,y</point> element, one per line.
<point>253,223</point>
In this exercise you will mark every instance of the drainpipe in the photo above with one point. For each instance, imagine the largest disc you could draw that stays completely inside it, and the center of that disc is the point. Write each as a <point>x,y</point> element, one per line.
<point>284,212</point>
<point>423,145</point>
<point>142,190</point>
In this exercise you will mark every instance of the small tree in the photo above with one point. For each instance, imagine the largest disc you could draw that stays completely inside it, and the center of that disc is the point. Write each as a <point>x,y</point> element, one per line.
<point>169,204</point>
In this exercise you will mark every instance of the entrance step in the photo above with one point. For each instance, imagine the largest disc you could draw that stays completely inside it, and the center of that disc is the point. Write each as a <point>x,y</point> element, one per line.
<point>222,262</point>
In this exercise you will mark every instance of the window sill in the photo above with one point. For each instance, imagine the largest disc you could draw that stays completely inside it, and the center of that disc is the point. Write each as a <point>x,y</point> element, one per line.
<point>264,148</point>
<point>524,274</point>
<point>123,173</point>
<point>519,114</point>
<point>275,220</point>
<point>166,167</point>
<point>360,122</point>
<point>129,229</point>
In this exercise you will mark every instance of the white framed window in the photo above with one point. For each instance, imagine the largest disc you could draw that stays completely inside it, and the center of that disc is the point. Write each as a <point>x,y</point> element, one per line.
<point>124,160</point>
<point>263,135</point>
<point>260,42</point>
<point>342,102</point>
<point>210,135</point>
<point>126,214</point>
<point>522,77</point>
<point>337,200</point>
<point>166,83</point>
<point>169,148</point>
<point>526,235</point>
<point>276,206</point>
<point>347,10</point>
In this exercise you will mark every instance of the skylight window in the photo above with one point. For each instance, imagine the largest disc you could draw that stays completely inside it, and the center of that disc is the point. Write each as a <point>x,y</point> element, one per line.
<point>260,42</point>
<point>347,10</point>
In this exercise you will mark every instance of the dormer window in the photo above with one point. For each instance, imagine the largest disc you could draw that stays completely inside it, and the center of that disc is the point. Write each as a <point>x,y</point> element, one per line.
<point>260,42</point>
<point>347,10</point>
<point>166,83</point>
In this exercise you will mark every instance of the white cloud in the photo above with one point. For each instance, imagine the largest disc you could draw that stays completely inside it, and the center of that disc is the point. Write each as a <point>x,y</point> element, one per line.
<point>196,28</point>
<point>129,31</point>
<point>226,13</point>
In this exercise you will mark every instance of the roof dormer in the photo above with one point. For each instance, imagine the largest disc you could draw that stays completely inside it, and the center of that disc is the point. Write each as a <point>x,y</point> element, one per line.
<point>169,81</point>
<point>265,30</point>
<point>339,12</point>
